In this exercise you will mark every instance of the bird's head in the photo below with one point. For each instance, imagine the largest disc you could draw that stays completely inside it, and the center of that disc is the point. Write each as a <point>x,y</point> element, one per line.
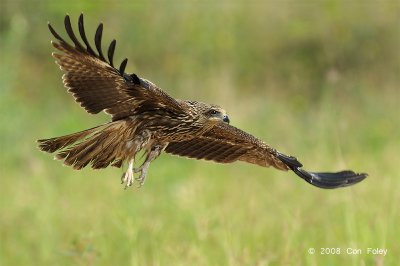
<point>216,114</point>
<point>209,113</point>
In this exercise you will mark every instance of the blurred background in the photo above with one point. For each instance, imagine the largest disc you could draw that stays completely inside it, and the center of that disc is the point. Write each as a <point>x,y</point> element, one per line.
<point>320,81</point>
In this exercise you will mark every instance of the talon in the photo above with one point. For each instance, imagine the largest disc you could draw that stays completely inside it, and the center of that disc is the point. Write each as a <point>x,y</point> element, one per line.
<point>137,170</point>
<point>127,177</point>
<point>143,172</point>
<point>142,176</point>
<point>123,178</point>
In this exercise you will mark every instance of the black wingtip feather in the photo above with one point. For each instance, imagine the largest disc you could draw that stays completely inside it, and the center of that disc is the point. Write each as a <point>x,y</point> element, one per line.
<point>71,34</point>
<point>322,180</point>
<point>97,41</point>
<point>83,35</point>
<point>122,66</point>
<point>111,50</point>
<point>331,180</point>
<point>55,34</point>
<point>289,160</point>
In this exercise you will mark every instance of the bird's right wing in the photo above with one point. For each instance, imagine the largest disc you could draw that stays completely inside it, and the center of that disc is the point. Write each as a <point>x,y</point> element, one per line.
<point>99,86</point>
<point>226,144</point>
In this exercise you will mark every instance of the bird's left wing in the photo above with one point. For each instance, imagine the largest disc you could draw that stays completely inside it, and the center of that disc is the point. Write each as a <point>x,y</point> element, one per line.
<point>97,85</point>
<point>226,144</point>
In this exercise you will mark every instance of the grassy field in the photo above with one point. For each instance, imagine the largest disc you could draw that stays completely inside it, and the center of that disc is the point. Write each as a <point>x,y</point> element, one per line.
<point>320,82</point>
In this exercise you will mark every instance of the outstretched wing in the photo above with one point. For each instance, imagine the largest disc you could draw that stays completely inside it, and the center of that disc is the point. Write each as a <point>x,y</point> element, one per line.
<point>99,86</point>
<point>225,144</point>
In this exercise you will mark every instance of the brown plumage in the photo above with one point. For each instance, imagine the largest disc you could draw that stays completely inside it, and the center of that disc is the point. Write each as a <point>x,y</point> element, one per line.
<point>145,118</point>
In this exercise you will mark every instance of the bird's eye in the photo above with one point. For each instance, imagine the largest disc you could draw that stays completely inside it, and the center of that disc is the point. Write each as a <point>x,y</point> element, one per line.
<point>214,112</point>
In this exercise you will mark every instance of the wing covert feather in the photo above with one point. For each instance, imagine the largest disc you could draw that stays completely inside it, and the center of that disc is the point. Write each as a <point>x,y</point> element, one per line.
<point>226,144</point>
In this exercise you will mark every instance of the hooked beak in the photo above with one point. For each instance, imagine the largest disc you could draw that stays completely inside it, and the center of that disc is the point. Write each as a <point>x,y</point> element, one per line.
<point>226,119</point>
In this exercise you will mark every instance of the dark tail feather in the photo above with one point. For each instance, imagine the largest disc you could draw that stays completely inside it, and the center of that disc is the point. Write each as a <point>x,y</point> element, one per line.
<point>322,180</point>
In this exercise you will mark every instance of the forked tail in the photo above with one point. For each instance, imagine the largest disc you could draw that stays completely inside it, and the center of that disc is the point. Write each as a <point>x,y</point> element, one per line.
<point>322,180</point>
<point>100,146</point>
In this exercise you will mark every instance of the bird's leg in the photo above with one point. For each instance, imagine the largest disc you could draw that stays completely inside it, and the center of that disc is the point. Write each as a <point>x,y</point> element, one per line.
<point>133,147</point>
<point>127,177</point>
<point>155,151</point>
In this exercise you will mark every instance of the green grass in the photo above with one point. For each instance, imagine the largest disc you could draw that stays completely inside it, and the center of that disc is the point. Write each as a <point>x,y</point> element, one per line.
<point>317,82</point>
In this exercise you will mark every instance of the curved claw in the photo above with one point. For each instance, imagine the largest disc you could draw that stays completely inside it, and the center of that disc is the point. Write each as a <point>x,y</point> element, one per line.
<point>127,177</point>
<point>143,172</point>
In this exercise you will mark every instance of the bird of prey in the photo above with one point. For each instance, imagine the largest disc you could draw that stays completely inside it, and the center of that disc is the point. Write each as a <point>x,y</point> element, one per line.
<point>145,118</point>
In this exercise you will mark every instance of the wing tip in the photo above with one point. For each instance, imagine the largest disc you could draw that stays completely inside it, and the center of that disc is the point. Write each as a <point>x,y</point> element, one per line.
<point>335,180</point>
<point>324,180</point>
<point>88,49</point>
